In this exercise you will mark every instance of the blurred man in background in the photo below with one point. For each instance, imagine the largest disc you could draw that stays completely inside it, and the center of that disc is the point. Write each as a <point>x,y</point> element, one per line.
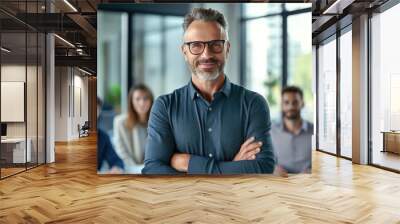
<point>292,137</point>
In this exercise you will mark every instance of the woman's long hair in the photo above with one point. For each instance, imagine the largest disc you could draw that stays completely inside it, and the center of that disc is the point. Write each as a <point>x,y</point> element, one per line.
<point>133,117</point>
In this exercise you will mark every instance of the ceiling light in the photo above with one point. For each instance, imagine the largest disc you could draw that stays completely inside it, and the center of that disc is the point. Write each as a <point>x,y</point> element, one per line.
<point>337,7</point>
<point>5,50</point>
<point>70,5</point>
<point>65,41</point>
<point>84,71</point>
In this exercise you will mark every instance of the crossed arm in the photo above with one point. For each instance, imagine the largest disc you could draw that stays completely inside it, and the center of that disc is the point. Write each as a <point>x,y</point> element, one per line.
<point>254,156</point>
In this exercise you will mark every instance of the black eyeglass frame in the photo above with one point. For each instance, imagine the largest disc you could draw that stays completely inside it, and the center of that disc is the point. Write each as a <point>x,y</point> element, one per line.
<point>204,45</point>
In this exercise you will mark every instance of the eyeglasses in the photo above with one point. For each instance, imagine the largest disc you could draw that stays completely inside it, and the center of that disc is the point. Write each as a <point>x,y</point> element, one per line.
<point>197,47</point>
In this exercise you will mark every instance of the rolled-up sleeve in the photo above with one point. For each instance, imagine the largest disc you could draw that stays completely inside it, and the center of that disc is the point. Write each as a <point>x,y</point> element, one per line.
<point>160,144</point>
<point>259,126</point>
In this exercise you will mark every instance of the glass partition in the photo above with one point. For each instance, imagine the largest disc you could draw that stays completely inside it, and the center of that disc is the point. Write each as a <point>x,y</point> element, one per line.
<point>31,98</point>
<point>14,145</point>
<point>346,94</point>
<point>327,96</point>
<point>23,91</point>
<point>385,89</point>
<point>41,106</point>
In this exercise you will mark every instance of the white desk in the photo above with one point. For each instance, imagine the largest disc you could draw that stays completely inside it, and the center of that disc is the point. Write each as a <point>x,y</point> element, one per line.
<point>18,149</point>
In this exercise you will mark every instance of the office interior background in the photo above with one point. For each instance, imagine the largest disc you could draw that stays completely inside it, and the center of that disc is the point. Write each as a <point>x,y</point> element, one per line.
<point>136,34</point>
<point>47,80</point>
<point>358,83</point>
<point>354,83</point>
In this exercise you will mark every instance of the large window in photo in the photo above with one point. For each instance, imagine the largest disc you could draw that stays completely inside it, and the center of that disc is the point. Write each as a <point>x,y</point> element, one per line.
<point>264,61</point>
<point>385,89</point>
<point>155,56</point>
<point>327,96</point>
<point>260,9</point>
<point>112,65</point>
<point>269,30</point>
<point>299,59</point>
<point>157,59</point>
<point>346,93</point>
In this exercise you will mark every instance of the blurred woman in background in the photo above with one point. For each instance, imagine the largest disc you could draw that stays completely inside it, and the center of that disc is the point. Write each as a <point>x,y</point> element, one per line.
<point>130,129</point>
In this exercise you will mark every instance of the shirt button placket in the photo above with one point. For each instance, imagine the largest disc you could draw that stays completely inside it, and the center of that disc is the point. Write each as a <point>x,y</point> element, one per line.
<point>210,155</point>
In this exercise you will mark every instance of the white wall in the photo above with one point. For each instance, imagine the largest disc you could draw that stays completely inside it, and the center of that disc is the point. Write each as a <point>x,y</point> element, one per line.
<point>79,117</point>
<point>33,126</point>
<point>70,83</point>
<point>61,105</point>
<point>16,73</point>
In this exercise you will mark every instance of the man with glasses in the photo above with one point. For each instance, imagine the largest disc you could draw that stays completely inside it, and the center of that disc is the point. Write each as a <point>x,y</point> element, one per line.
<point>209,126</point>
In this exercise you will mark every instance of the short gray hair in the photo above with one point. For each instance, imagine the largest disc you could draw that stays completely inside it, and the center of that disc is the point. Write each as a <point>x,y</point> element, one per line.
<point>207,15</point>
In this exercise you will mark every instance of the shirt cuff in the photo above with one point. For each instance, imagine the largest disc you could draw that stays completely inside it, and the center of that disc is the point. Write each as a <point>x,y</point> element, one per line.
<point>198,164</point>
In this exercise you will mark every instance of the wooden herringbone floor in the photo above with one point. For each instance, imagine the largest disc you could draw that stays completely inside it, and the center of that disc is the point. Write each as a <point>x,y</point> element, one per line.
<point>70,191</point>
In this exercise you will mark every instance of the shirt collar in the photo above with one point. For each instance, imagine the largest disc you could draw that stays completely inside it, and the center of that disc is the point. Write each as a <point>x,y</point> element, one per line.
<point>304,126</point>
<point>226,89</point>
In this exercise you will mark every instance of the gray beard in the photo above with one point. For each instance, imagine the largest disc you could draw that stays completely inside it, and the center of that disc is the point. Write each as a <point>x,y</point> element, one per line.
<point>207,76</point>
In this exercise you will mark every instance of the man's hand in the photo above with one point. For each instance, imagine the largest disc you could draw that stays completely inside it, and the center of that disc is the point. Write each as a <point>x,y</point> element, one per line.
<point>180,161</point>
<point>280,171</point>
<point>248,150</point>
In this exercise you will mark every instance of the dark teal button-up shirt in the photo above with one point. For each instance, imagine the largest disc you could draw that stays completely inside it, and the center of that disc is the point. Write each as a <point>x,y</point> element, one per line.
<point>212,133</point>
